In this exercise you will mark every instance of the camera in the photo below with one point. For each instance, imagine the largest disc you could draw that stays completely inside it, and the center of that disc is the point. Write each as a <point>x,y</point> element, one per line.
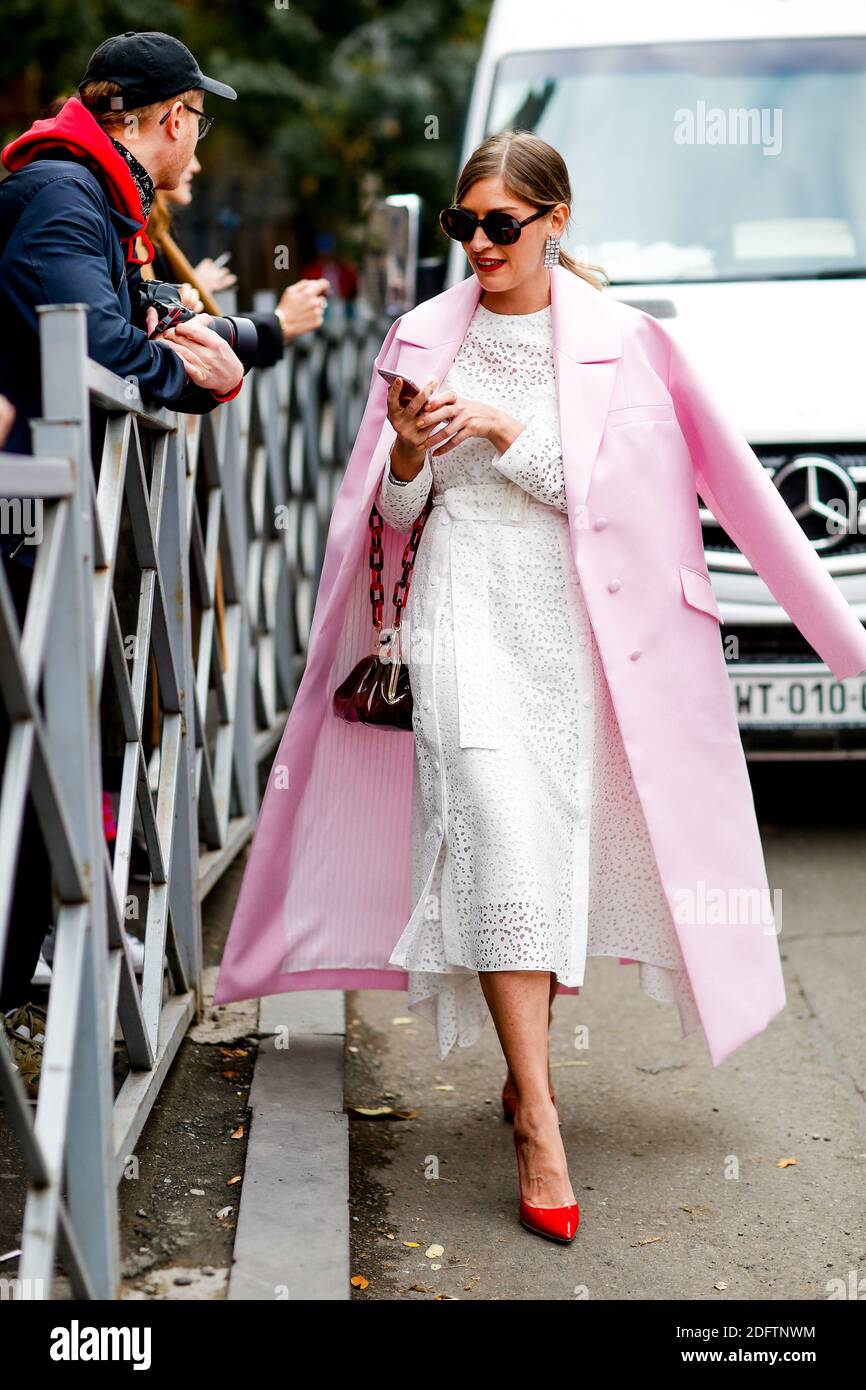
<point>239,333</point>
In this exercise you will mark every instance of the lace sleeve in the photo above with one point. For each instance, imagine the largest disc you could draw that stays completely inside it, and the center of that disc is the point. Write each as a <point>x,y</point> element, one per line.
<point>534,462</point>
<point>401,502</point>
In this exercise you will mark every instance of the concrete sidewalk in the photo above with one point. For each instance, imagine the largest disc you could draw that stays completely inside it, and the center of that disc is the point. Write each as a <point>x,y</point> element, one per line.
<point>292,1238</point>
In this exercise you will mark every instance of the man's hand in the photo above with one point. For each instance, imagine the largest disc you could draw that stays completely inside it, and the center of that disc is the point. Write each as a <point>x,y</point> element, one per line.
<point>302,307</point>
<point>208,359</point>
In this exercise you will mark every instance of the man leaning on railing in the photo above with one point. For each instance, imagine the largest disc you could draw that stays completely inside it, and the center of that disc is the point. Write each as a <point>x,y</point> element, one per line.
<point>79,193</point>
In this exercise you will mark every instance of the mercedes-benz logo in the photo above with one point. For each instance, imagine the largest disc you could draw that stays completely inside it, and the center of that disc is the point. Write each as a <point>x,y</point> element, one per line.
<point>822,496</point>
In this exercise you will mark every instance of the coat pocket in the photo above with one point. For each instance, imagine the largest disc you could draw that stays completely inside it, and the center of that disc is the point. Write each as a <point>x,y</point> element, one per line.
<point>637,414</point>
<point>698,591</point>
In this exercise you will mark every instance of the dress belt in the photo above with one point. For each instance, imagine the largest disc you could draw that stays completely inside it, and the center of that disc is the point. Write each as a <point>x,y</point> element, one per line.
<point>505,502</point>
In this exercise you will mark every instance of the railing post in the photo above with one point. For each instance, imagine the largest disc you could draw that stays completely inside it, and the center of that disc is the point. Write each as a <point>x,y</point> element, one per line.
<point>174,566</point>
<point>72,718</point>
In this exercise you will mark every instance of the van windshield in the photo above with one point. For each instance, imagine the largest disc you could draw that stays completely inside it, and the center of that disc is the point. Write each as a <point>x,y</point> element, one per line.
<point>704,161</point>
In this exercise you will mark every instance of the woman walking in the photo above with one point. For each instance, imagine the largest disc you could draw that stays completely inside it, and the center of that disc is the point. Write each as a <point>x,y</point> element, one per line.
<point>575,777</point>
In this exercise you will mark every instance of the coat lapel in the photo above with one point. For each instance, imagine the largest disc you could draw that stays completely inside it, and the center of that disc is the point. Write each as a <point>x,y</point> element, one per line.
<point>587,346</point>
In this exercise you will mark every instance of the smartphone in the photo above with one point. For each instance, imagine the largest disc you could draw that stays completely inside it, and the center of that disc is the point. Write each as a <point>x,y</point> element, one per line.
<point>409,387</point>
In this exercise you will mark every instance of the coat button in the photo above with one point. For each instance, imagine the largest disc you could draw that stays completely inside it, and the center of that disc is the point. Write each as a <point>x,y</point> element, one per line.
<point>437,826</point>
<point>436,764</point>
<point>633,656</point>
<point>614,585</point>
<point>434,579</point>
<point>587,701</point>
<point>445,518</point>
<point>600,523</point>
<point>427,704</point>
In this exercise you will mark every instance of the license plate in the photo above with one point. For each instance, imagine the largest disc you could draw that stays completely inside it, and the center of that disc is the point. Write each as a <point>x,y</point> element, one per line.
<point>797,695</point>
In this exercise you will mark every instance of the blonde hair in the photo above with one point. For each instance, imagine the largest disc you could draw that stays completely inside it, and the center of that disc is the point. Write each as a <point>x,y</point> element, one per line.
<point>536,172</point>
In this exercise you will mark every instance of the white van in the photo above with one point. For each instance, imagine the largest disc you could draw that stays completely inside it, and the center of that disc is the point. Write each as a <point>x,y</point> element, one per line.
<point>717,155</point>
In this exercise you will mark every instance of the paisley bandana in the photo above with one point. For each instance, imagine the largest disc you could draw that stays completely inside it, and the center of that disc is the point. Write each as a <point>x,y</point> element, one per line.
<point>142,179</point>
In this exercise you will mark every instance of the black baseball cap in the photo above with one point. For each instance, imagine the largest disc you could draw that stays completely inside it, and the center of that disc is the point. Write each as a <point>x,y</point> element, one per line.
<point>148,67</point>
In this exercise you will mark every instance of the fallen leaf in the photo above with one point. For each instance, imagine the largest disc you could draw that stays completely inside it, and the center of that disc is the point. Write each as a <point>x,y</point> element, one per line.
<point>440,1297</point>
<point>233,1180</point>
<point>786,1162</point>
<point>224,1212</point>
<point>443,1088</point>
<point>649,1240</point>
<point>238,1133</point>
<point>435,1266</point>
<point>412,1244</point>
<point>379,1112</point>
<point>359,1282</point>
<point>401,1020</point>
<point>229,1075</point>
<point>720,1284</point>
<point>434,1251</point>
<point>418,1288</point>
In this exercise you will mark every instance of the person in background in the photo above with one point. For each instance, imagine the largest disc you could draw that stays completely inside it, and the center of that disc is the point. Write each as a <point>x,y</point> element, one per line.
<point>339,274</point>
<point>301,307</point>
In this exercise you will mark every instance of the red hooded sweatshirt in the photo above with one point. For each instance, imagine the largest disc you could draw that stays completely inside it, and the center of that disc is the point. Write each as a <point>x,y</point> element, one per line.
<point>75,130</point>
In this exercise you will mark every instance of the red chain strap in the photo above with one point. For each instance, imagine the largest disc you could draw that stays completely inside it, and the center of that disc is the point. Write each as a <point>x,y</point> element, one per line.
<point>377,563</point>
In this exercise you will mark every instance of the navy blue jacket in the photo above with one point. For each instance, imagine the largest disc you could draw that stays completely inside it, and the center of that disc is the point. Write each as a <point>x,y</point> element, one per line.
<point>60,244</point>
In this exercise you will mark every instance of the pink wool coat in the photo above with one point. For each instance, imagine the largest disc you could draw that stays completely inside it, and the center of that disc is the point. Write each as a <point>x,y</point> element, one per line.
<point>327,888</point>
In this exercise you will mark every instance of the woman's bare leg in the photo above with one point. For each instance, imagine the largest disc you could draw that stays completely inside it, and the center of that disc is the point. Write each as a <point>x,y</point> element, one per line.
<point>510,1089</point>
<point>519,1003</point>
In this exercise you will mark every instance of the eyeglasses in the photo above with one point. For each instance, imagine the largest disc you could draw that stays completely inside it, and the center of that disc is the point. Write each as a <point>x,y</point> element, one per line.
<point>500,227</point>
<point>204,122</point>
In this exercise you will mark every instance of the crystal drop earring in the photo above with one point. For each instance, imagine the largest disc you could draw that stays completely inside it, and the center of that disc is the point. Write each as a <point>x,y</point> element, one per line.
<point>551,253</point>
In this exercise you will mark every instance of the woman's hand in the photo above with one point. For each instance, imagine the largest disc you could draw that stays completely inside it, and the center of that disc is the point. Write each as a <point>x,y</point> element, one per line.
<point>214,277</point>
<point>190,298</point>
<point>476,420</point>
<point>7,419</point>
<point>414,421</point>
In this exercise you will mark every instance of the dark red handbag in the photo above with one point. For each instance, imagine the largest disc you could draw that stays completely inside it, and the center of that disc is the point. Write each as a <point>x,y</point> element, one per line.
<point>377,690</point>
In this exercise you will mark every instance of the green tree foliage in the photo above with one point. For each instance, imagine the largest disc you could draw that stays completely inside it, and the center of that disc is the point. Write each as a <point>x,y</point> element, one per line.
<point>338,102</point>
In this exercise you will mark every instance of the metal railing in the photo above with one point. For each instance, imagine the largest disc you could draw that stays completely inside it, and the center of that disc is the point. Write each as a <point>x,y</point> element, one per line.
<point>164,637</point>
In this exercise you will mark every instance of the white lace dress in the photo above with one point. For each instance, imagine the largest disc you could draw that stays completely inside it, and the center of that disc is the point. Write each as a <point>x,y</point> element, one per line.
<point>529,845</point>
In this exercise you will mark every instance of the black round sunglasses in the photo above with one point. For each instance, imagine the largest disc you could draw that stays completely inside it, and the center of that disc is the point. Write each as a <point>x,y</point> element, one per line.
<point>501,227</point>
